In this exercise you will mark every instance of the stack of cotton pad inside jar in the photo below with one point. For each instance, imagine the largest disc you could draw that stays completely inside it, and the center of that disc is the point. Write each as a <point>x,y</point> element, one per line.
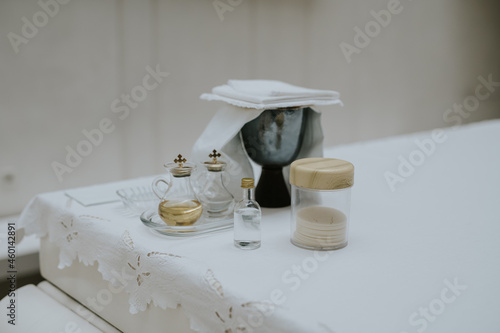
<point>320,226</point>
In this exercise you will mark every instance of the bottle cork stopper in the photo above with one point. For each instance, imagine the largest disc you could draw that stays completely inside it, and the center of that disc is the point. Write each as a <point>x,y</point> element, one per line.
<point>247,183</point>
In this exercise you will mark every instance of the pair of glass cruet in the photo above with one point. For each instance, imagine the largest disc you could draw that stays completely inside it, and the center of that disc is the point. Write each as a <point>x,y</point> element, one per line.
<point>180,205</point>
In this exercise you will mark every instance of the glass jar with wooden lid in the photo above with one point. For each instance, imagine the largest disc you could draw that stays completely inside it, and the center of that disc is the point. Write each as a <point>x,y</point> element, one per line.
<point>321,200</point>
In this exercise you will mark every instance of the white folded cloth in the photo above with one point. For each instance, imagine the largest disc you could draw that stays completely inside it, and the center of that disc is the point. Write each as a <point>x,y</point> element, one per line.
<point>247,99</point>
<point>277,88</point>
<point>265,94</point>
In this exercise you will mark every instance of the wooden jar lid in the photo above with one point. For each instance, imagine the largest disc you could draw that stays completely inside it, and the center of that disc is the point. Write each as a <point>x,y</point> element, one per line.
<point>322,173</point>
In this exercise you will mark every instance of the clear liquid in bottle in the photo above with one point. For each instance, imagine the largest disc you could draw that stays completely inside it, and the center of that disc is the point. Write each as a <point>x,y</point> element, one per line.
<point>247,216</point>
<point>247,228</point>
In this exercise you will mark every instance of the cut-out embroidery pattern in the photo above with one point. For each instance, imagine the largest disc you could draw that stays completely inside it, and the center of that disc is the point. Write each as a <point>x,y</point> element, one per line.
<point>140,274</point>
<point>214,284</point>
<point>127,240</point>
<point>71,233</point>
<point>75,236</point>
<point>163,254</point>
<point>230,324</point>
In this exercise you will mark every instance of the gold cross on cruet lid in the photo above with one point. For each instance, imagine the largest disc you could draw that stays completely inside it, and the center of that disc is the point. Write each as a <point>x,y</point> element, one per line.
<point>180,168</point>
<point>180,160</point>
<point>214,156</point>
<point>215,164</point>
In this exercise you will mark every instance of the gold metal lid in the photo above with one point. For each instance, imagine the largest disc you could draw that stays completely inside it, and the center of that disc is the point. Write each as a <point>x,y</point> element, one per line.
<point>214,164</point>
<point>247,183</point>
<point>322,173</point>
<point>180,167</point>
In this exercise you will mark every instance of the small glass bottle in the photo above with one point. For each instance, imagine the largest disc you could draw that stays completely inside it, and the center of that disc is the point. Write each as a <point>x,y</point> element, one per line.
<point>247,216</point>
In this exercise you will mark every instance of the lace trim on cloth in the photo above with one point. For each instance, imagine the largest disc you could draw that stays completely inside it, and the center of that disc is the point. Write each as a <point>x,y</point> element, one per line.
<point>147,276</point>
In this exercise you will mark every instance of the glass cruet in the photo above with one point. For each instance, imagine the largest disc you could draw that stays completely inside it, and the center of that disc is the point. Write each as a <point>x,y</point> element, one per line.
<point>179,205</point>
<point>217,201</point>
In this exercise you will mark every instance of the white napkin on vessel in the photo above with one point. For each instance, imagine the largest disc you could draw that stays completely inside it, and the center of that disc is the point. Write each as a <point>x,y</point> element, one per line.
<point>278,88</point>
<point>266,94</point>
<point>223,131</point>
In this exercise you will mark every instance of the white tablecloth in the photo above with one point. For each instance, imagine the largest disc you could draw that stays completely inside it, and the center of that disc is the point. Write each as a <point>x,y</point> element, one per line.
<point>423,253</point>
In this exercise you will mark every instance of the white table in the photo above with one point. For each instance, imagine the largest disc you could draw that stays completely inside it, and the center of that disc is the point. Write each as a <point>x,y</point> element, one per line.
<point>423,254</point>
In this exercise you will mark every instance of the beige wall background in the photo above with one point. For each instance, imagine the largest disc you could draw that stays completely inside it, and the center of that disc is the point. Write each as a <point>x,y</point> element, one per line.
<point>86,54</point>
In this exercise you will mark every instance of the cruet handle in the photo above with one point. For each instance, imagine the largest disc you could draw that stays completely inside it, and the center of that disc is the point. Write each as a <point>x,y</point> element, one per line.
<point>159,193</point>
